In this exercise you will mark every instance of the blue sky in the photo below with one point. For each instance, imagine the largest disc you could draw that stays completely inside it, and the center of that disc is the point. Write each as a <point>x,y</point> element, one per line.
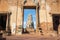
<point>26,13</point>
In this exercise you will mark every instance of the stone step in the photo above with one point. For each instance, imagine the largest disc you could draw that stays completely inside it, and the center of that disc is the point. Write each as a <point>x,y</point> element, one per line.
<point>32,37</point>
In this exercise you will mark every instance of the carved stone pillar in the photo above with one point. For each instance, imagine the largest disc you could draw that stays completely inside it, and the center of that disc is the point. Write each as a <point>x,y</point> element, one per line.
<point>22,16</point>
<point>8,30</point>
<point>37,19</point>
<point>7,23</point>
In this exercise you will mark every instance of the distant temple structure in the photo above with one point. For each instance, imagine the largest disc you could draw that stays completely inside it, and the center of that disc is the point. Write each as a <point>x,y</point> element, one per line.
<point>47,16</point>
<point>30,23</point>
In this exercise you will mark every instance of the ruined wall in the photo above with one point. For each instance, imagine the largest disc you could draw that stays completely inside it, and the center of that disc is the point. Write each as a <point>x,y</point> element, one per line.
<point>3,6</point>
<point>59,6</point>
<point>14,7</point>
<point>46,9</point>
<point>16,16</point>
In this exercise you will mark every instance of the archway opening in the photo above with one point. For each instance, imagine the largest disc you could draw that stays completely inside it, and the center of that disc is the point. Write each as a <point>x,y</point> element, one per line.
<point>3,20</point>
<point>56,22</point>
<point>29,19</point>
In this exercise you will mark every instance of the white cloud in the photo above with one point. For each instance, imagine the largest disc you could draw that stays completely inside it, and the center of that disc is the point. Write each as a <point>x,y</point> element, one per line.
<point>34,24</point>
<point>25,24</point>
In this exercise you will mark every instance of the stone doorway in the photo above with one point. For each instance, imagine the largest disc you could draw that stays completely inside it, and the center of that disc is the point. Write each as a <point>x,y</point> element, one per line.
<point>30,7</point>
<point>56,22</point>
<point>3,20</point>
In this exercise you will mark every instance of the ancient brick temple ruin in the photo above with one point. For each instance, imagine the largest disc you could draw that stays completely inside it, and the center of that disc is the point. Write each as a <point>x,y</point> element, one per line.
<point>47,15</point>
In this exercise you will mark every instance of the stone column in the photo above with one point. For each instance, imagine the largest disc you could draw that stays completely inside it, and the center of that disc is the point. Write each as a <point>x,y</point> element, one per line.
<point>8,30</point>
<point>22,16</point>
<point>37,19</point>
<point>22,9</point>
<point>7,23</point>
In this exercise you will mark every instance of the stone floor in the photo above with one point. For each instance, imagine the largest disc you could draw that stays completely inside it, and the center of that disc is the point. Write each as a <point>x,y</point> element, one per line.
<point>31,37</point>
